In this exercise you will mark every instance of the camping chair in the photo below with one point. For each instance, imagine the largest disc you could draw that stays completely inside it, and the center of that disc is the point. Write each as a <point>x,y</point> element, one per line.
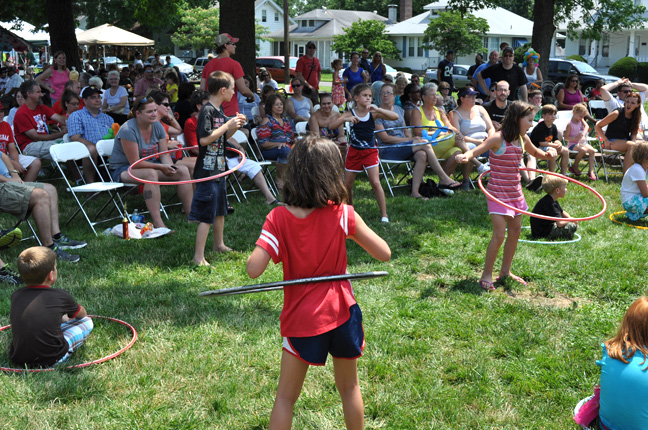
<point>77,151</point>
<point>104,149</point>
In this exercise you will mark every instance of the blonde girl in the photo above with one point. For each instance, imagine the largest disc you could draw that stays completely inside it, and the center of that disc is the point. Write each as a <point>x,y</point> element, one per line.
<point>576,137</point>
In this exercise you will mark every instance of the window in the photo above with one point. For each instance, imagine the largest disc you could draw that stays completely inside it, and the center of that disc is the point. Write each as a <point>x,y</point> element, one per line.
<point>493,43</point>
<point>311,23</point>
<point>414,48</point>
<point>605,51</point>
<point>637,45</point>
<point>264,15</point>
<point>485,42</point>
<point>276,16</point>
<point>582,47</point>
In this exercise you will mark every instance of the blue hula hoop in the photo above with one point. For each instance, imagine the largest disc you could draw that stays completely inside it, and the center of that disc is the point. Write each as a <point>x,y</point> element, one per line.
<point>431,140</point>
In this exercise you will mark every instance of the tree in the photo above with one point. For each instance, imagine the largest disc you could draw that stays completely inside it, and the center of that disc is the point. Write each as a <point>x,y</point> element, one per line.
<point>600,17</point>
<point>452,31</point>
<point>198,28</point>
<point>237,19</point>
<point>368,34</point>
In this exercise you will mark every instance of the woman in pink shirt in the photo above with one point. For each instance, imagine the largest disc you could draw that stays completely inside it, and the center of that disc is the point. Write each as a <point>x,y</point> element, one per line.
<point>570,95</point>
<point>54,78</point>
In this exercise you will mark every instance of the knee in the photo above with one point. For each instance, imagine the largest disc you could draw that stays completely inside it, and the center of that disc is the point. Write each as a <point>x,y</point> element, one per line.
<point>36,164</point>
<point>182,172</point>
<point>50,189</point>
<point>419,156</point>
<point>93,151</point>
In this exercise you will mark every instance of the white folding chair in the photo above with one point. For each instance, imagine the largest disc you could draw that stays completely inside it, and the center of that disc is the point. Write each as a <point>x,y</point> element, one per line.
<point>387,170</point>
<point>300,128</point>
<point>596,104</point>
<point>562,120</point>
<point>105,149</point>
<point>267,166</point>
<point>77,151</point>
<point>241,138</point>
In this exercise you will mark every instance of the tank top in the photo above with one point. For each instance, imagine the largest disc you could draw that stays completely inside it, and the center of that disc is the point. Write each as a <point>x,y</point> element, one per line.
<point>302,108</point>
<point>620,128</point>
<point>576,128</point>
<point>504,181</point>
<point>377,73</point>
<point>533,76</point>
<point>572,99</point>
<point>57,81</point>
<point>362,133</point>
<point>437,122</point>
<point>475,128</point>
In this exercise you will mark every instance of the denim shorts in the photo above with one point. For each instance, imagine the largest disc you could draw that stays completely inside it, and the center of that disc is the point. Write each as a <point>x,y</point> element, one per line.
<point>402,153</point>
<point>209,201</point>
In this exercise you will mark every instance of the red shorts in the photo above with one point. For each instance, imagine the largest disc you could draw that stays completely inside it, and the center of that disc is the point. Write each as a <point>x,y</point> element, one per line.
<point>359,159</point>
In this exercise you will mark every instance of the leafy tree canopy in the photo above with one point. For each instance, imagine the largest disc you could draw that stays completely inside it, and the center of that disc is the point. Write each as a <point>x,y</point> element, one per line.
<point>452,31</point>
<point>368,34</point>
<point>198,28</point>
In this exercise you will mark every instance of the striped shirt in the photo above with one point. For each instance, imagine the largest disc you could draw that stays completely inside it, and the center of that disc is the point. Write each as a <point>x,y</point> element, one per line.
<point>504,181</point>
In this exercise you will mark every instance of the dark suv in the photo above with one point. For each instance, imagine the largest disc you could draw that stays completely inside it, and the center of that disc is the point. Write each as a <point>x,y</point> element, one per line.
<point>560,69</point>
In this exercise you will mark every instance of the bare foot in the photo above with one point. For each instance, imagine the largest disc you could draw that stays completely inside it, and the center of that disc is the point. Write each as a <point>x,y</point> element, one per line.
<point>420,196</point>
<point>222,248</point>
<point>202,262</point>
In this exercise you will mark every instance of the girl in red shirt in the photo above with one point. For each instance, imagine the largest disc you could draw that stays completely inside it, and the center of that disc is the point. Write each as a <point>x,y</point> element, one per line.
<point>309,237</point>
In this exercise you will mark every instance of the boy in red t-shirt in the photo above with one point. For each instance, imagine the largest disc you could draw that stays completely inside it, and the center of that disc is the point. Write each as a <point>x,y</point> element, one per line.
<point>25,165</point>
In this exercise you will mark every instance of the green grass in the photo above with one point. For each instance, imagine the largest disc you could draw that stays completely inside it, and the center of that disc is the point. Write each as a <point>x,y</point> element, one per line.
<point>441,353</point>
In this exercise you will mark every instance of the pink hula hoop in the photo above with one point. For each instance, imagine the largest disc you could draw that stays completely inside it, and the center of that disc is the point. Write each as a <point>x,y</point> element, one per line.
<point>81,365</point>
<point>548,218</point>
<point>190,181</point>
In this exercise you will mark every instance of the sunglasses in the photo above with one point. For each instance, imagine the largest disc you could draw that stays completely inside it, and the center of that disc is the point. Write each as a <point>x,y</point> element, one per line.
<point>297,85</point>
<point>230,43</point>
<point>626,91</point>
<point>165,104</point>
<point>149,71</point>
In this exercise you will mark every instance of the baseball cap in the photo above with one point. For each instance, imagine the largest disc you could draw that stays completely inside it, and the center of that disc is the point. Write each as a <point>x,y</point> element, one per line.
<point>468,92</point>
<point>508,49</point>
<point>224,38</point>
<point>310,43</point>
<point>90,91</point>
<point>450,51</point>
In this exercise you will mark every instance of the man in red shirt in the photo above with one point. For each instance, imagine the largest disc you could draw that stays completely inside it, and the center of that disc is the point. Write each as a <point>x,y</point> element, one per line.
<point>225,48</point>
<point>309,71</point>
<point>30,123</point>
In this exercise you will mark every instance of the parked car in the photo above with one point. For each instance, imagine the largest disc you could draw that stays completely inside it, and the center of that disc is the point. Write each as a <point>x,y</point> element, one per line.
<point>275,65</point>
<point>199,63</point>
<point>185,68</point>
<point>393,72</point>
<point>459,75</point>
<point>560,69</point>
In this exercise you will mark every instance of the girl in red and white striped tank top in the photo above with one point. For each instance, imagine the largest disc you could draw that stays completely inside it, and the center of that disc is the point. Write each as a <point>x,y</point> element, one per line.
<point>507,147</point>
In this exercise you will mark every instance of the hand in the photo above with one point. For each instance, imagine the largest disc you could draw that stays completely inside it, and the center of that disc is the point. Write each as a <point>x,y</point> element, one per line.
<point>20,168</point>
<point>462,158</point>
<point>550,154</point>
<point>173,144</point>
<point>419,139</point>
<point>167,169</point>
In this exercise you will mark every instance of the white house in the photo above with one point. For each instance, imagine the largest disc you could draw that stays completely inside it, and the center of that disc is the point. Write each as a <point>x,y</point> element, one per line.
<point>612,46</point>
<point>319,25</point>
<point>505,26</point>
<point>270,15</point>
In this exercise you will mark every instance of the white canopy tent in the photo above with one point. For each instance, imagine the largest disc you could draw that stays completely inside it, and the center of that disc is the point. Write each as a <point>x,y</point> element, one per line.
<point>110,35</point>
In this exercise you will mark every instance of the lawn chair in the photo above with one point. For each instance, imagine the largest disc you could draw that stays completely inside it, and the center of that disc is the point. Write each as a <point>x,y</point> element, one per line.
<point>234,179</point>
<point>267,166</point>
<point>74,151</point>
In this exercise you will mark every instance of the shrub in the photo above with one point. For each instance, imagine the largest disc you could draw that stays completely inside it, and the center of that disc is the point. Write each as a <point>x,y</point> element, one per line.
<point>519,53</point>
<point>642,73</point>
<point>405,69</point>
<point>625,67</point>
<point>577,58</point>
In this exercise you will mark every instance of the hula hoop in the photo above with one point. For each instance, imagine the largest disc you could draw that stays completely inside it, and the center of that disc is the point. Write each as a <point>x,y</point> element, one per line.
<point>548,218</point>
<point>190,181</point>
<point>86,364</point>
<point>640,227</point>
<point>551,242</point>
<point>434,141</point>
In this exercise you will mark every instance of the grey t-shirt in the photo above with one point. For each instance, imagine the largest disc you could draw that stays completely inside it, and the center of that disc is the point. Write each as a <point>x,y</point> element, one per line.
<point>400,122</point>
<point>130,131</point>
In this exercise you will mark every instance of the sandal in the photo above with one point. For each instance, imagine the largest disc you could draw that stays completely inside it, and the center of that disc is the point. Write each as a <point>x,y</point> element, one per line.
<point>512,276</point>
<point>592,176</point>
<point>487,285</point>
<point>577,173</point>
<point>451,186</point>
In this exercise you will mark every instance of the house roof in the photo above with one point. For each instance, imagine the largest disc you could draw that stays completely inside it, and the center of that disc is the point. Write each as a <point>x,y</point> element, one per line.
<point>259,3</point>
<point>336,22</point>
<point>502,22</point>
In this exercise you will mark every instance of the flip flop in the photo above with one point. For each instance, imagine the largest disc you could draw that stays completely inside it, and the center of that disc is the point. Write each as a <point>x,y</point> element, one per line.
<point>486,285</point>
<point>452,186</point>
<point>512,276</point>
<point>571,169</point>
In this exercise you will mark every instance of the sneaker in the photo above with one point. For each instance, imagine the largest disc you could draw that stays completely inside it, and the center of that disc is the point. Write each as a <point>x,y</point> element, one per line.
<point>535,185</point>
<point>9,238</point>
<point>65,242</point>
<point>62,255</point>
<point>8,276</point>
<point>483,168</point>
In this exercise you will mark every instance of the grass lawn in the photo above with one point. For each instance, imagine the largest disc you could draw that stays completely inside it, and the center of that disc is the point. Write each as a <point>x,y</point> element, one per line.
<point>441,353</point>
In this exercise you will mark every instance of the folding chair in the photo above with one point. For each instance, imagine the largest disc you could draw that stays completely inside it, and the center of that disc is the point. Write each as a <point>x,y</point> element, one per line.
<point>267,166</point>
<point>562,120</point>
<point>233,179</point>
<point>597,105</point>
<point>77,151</point>
<point>105,149</point>
<point>300,128</point>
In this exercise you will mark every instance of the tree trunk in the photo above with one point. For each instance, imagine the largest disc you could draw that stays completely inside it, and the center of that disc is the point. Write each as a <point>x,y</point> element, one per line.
<point>543,30</point>
<point>237,19</point>
<point>61,29</point>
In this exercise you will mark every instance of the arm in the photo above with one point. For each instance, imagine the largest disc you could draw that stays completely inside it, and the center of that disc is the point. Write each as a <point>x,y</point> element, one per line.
<point>290,111</point>
<point>79,138</point>
<point>340,120</point>
<point>82,313</point>
<point>606,94</point>
<point>42,77</point>
<point>388,138</point>
<point>258,261</point>
<point>32,135</point>
<point>524,92</point>
<point>14,157</point>
<point>561,97</point>
<point>243,89</point>
<point>538,153</point>
<point>492,142</point>
<point>643,187</point>
<point>229,127</point>
<point>14,175</point>
<point>604,122</point>
<point>368,240</point>
<point>482,84</point>
<point>203,84</point>
<point>490,128</point>
<point>539,75</point>
<point>383,113</point>
<point>313,125</point>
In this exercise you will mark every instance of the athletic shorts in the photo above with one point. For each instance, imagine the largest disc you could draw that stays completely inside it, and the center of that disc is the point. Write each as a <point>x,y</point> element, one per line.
<point>359,159</point>
<point>346,341</point>
<point>498,209</point>
<point>250,168</point>
<point>209,201</point>
<point>14,197</point>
